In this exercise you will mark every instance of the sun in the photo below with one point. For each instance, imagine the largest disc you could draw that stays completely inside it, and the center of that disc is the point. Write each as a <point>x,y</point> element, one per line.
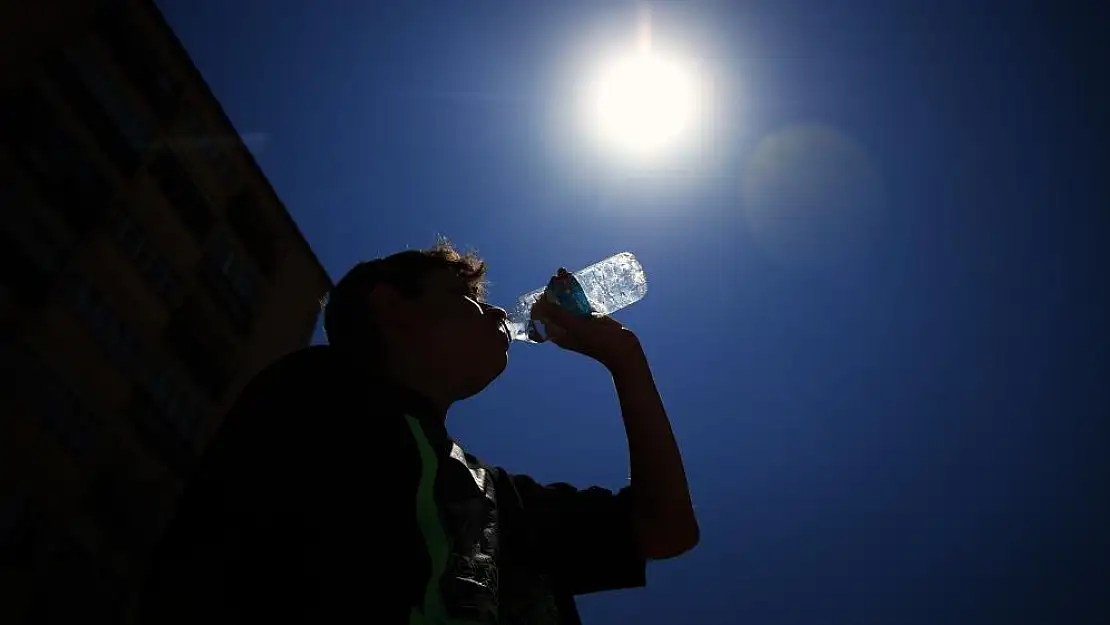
<point>643,103</point>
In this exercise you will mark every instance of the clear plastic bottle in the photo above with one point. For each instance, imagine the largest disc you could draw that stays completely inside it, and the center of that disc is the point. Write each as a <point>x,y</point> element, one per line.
<point>604,287</point>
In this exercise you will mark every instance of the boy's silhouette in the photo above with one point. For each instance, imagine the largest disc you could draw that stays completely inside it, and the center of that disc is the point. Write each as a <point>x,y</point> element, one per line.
<point>333,492</point>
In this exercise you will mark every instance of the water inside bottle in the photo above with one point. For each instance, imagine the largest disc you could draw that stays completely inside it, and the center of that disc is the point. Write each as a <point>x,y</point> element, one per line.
<point>613,283</point>
<point>608,286</point>
<point>519,323</point>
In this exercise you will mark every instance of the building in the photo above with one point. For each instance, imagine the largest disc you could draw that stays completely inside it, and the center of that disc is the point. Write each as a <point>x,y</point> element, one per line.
<point>149,269</point>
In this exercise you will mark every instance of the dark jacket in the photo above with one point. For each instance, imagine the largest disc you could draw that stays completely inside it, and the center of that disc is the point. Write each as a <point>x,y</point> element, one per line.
<point>327,497</point>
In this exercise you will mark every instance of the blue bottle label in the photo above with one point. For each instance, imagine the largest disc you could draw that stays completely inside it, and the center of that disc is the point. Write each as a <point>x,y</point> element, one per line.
<point>564,291</point>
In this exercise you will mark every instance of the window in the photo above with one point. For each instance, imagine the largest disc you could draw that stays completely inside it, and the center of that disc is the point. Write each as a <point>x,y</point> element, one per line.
<point>30,254</point>
<point>231,279</point>
<point>174,403</point>
<point>76,587</point>
<point>125,507</point>
<point>213,147</point>
<point>62,170</point>
<point>139,61</point>
<point>182,193</point>
<point>120,345</point>
<point>23,538</point>
<point>63,414</point>
<point>158,432</point>
<point>151,265</point>
<point>14,519</point>
<point>249,224</point>
<point>110,95</point>
<point>56,405</point>
<point>22,275</point>
<point>91,113</point>
<point>157,412</point>
<point>202,353</point>
<point>159,385</point>
<point>129,238</point>
<point>164,280</point>
<point>186,414</point>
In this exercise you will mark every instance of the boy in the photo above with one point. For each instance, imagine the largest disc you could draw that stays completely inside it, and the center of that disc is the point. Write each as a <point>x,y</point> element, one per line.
<point>334,494</point>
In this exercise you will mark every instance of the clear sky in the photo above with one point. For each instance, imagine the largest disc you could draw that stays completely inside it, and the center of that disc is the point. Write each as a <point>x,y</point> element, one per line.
<point>877,275</point>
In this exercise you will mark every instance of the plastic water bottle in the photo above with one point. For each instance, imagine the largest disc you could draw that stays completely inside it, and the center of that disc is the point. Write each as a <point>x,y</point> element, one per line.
<point>603,288</point>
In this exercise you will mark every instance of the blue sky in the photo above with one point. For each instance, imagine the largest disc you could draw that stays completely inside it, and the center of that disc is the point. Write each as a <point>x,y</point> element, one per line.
<point>877,302</point>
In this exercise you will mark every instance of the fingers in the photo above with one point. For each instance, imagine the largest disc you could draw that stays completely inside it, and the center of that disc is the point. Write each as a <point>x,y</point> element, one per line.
<point>556,333</point>
<point>545,309</point>
<point>561,321</point>
<point>549,312</point>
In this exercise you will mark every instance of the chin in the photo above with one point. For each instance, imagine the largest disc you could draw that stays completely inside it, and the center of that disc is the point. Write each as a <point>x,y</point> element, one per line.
<point>485,374</point>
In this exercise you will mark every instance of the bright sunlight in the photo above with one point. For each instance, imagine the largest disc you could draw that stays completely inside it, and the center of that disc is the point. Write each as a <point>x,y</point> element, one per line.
<point>643,103</point>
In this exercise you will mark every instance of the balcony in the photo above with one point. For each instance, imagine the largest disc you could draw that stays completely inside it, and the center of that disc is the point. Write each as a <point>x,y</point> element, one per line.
<point>54,404</point>
<point>190,204</point>
<point>91,113</point>
<point>249,224</point>
<point>27,278</point>
<point>231,280</point>
<point>54,161</point>
<point>157,429</point>
<point>139,61</point>
<point>200,349</point>
<point>148,262</point>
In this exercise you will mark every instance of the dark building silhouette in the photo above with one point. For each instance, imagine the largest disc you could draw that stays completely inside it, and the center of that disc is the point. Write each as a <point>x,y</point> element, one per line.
<point>148,270</point>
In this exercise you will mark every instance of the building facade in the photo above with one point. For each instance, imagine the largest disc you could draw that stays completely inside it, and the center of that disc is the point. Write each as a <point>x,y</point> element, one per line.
<point>149,269</point>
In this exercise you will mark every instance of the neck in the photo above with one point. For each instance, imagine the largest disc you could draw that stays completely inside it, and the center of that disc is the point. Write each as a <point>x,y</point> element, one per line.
<point>410,375</point>
<point>435,402</point>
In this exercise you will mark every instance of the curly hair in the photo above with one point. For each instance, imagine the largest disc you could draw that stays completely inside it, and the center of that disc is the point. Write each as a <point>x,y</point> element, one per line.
<point>348,321</point>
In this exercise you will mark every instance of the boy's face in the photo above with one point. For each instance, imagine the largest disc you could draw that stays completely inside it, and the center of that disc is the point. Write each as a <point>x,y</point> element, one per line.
<point>464,341</point>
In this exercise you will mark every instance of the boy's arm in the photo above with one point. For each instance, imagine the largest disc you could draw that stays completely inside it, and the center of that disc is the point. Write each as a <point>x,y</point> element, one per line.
<point>664,518</point>
<point>663,515</point>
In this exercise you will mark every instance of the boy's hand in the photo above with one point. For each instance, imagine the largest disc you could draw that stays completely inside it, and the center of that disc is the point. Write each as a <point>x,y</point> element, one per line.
<point>599,337</point>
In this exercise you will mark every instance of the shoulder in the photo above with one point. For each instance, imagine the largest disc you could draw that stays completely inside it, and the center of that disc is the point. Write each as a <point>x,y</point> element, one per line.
<point>292,403</point>
<point>313,378</point>
<point>313,367</point>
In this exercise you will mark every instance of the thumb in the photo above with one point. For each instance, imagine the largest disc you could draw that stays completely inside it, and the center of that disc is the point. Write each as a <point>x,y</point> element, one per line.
<point>550,312</point>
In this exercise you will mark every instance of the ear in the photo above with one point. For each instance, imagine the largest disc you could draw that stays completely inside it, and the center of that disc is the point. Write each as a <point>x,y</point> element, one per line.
<point>389,308</point>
